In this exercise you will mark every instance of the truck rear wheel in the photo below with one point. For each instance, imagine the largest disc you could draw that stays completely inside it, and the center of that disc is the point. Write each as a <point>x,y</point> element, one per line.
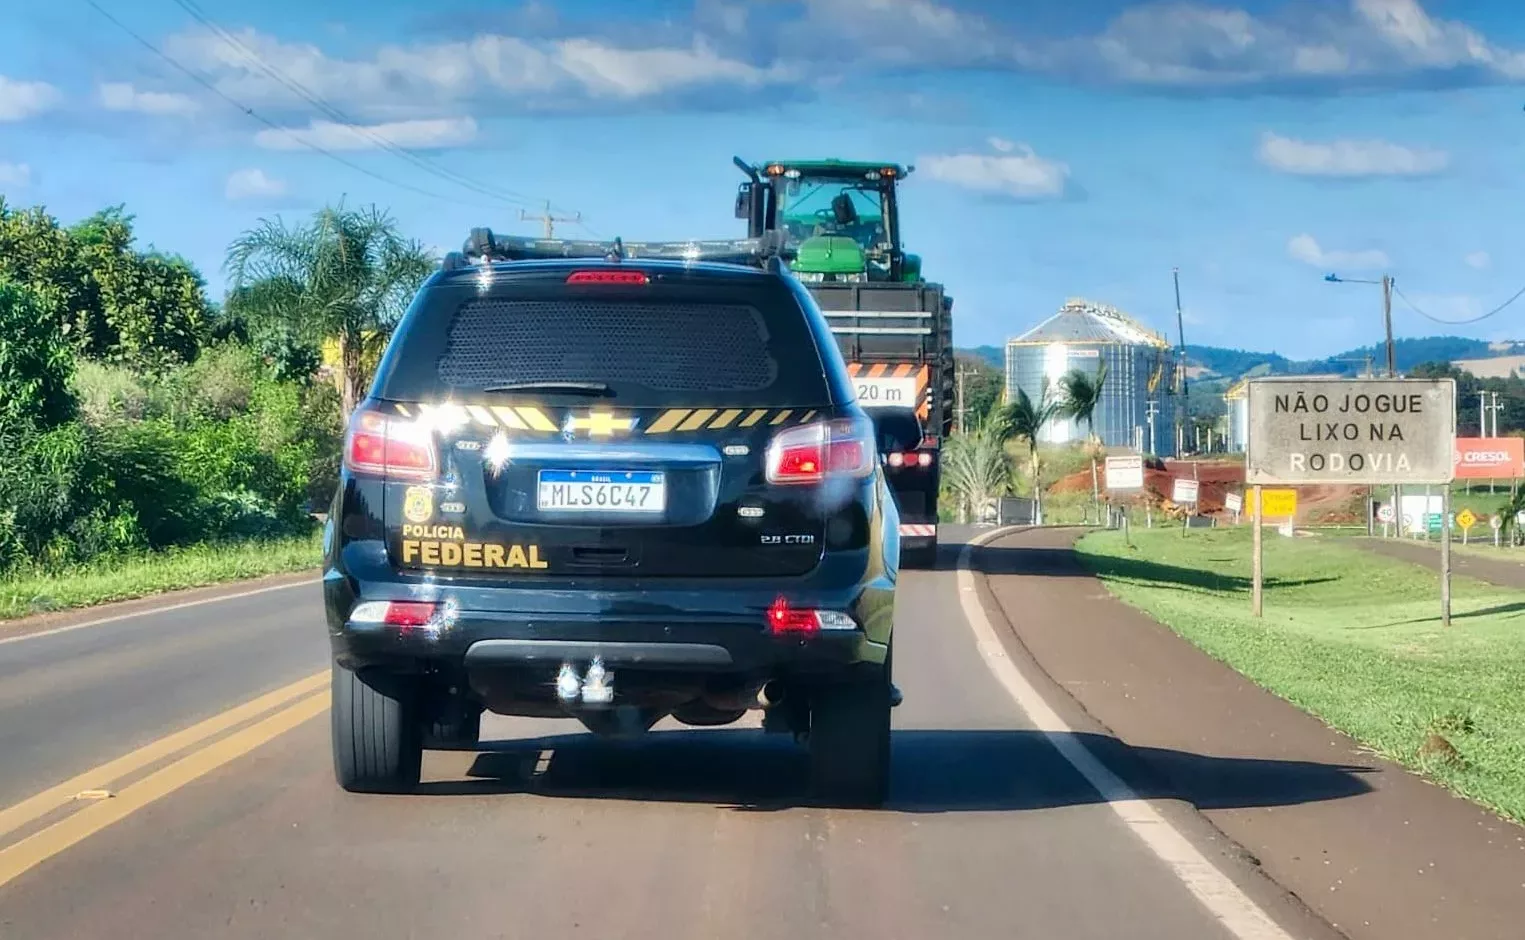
<point>850,741</point>
<point>377,732</point>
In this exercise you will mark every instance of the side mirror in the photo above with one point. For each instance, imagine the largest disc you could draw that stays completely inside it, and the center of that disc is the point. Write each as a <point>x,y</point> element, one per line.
<point>744,197</point>
<point>898,430</point>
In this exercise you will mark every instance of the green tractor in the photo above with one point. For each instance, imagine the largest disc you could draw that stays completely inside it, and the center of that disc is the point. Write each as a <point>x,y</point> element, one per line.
<point>840,220</point>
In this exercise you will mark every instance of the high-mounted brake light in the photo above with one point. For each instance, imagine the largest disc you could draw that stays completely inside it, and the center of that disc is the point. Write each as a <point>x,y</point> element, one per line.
<point>810,454</point>
<point>379,445</point>
<point>608,277</point>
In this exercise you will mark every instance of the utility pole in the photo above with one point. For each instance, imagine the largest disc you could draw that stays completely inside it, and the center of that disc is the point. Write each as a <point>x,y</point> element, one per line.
<point>1495,408</point>
<point>549,220</point>
<point>958,396</point>
<point>1482,414</point>
<point>1154,409</point>
<point>1387,322</point>
<point>1180,383</point>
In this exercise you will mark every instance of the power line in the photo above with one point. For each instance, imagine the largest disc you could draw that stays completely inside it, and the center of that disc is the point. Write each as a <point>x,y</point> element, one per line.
<point>423,162</point>
<point>1501,307</point>
<point>209,86</point>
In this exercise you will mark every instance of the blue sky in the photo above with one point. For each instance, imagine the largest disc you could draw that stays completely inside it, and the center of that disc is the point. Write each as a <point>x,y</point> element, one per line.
<point>1060,151</point>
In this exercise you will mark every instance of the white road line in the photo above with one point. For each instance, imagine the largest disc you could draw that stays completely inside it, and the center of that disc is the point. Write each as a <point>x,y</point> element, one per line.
<point>152,610</point>
<point>1222,898</point>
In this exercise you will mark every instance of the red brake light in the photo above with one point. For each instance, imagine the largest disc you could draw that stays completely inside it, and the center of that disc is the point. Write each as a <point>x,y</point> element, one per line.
<point>409,613</point>
<point>809,454</point>
<point>785,619</point>
<point>608,277</point>
<point>388,447</point>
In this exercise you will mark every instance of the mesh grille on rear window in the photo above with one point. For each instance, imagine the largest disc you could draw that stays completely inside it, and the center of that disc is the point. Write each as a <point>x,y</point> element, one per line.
<point>664,347</point>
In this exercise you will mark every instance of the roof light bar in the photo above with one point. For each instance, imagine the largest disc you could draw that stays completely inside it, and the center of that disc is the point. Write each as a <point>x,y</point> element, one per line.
<point>484,246</point>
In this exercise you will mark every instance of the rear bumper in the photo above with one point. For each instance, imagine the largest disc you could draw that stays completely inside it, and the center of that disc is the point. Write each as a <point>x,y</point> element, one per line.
<point>717,626</point>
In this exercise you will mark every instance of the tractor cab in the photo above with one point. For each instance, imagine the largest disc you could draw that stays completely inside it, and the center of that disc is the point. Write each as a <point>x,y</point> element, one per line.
<point>840,218</point>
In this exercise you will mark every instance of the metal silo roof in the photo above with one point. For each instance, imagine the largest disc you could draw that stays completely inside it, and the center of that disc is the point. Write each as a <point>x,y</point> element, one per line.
<point>1083,321</point>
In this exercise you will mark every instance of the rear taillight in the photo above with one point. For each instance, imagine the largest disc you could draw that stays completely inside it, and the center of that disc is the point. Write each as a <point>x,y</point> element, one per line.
<point>810,454</point>
<point>395,613</point>
<point>922,459</point>
<point>786,619</point>
<point>397,449</point>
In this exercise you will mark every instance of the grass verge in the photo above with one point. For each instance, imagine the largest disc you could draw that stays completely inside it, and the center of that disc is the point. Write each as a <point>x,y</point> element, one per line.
<point>1355,639</point>
<point>27,593</point>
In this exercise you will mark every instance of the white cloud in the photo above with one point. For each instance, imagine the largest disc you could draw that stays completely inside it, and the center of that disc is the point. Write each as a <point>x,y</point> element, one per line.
<point>1478,260</point>
<point>396,81</point>
<point>411,135</point>
<point>254,184</point>
<point>1014,170</point>
<point>122,96</point>
<point>20,100</point>
<point>1348,158</point>
<point>1305,248</point>
<point>15,175</point>
<point>1179,43</point>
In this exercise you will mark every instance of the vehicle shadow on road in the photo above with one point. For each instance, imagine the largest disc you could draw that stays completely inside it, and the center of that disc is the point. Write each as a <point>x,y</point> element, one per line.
<point>1063,563</point>
<point>933,772</point>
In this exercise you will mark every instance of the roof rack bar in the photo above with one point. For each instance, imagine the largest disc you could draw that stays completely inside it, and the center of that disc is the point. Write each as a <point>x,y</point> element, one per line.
<point>483,246</point>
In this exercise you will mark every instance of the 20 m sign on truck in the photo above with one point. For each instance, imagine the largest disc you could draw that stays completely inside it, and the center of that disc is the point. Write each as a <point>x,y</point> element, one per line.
<point>1357,431</point>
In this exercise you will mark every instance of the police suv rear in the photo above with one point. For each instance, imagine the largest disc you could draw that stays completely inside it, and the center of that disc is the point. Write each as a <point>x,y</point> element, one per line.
<point>614,483</point>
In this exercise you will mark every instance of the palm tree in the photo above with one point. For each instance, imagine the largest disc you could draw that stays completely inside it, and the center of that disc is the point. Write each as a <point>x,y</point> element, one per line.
<point>1082,396</point>
<point>1026,420</point>
<point>347,275</point>
<point>976,467</point>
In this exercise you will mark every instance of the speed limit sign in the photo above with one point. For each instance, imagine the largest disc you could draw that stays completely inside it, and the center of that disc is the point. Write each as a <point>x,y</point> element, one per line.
<point>1385,512</point>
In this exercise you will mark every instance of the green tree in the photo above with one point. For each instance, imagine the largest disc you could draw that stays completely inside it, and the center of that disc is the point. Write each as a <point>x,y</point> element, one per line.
<point>346,274</point>
<point>976,466</point>
<point>983,387</point>
<point>1082,396</point>
<point>1025,420</point>
<point>148,310</point>
<point>36,363</point>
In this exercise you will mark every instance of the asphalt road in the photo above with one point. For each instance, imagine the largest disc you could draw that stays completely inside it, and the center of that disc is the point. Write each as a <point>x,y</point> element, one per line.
<point>991,831</point>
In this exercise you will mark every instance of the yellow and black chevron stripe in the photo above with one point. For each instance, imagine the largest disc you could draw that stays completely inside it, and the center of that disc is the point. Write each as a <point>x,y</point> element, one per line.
<point>599,423</point>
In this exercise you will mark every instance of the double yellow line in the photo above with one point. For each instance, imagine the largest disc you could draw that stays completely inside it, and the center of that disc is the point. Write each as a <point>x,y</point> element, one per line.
<point>294,704</point>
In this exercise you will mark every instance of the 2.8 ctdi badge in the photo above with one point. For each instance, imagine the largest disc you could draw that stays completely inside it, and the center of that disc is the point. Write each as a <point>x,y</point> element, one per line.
<point>418,504</point>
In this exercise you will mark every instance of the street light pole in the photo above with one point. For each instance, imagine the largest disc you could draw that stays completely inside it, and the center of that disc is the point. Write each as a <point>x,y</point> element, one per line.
<point>1387,313</point>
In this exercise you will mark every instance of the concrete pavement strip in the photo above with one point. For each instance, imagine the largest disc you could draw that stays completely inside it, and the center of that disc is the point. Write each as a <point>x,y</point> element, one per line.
<point>1395,857</point>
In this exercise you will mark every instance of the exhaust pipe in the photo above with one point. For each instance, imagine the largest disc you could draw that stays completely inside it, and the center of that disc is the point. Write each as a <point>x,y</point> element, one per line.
<point>771,694</point>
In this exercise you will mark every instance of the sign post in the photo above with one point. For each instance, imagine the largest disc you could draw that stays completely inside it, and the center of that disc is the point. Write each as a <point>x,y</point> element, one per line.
<point>1445,554</point>
<point>1125,474</point>
<point>1234,502</point>
<point>1255,517</point>
<point>1496,522</point>
<point>1466,519</point>
<point>1385,516</point>
<point>1184,493</point>
<point>1373,432</point>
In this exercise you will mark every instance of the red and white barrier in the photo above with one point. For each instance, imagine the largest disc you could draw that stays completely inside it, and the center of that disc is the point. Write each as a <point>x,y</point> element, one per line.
<point>914,530</point>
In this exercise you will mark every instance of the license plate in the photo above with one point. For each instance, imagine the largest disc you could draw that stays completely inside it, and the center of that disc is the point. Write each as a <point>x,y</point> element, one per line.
<point>617,491</point>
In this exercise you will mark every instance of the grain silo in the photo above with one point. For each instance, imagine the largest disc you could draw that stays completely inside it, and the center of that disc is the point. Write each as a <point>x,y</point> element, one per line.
<point>1082,335</point>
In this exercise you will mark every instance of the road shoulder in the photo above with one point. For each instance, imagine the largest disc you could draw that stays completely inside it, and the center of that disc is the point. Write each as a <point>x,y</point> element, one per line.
<point>1404,859</point>
<point>76,617</point>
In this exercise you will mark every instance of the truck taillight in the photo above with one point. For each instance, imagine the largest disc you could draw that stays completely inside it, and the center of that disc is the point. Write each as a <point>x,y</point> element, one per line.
<point>840,448</point>
<point>383,446</point>
<point>922,459</point>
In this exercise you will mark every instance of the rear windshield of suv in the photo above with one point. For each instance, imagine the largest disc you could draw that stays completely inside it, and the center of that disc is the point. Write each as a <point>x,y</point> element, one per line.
<point>656,346</point>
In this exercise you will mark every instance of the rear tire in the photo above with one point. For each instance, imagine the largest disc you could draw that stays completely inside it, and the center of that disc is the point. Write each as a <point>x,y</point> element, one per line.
<point>850,741</point>
<point>377,732</point>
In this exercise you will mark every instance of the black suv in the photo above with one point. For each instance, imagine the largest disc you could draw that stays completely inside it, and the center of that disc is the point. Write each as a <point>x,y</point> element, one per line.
<point>615,487</point>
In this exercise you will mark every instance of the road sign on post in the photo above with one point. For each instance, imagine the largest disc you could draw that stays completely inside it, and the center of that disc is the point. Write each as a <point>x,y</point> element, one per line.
<point>1125,473</point>
<point>1369,432</point>
<point>1184,492</point>
<point>1234,503</point>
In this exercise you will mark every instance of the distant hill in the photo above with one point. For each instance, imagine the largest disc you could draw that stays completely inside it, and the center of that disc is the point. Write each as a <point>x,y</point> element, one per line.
<point>1219,362</point>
